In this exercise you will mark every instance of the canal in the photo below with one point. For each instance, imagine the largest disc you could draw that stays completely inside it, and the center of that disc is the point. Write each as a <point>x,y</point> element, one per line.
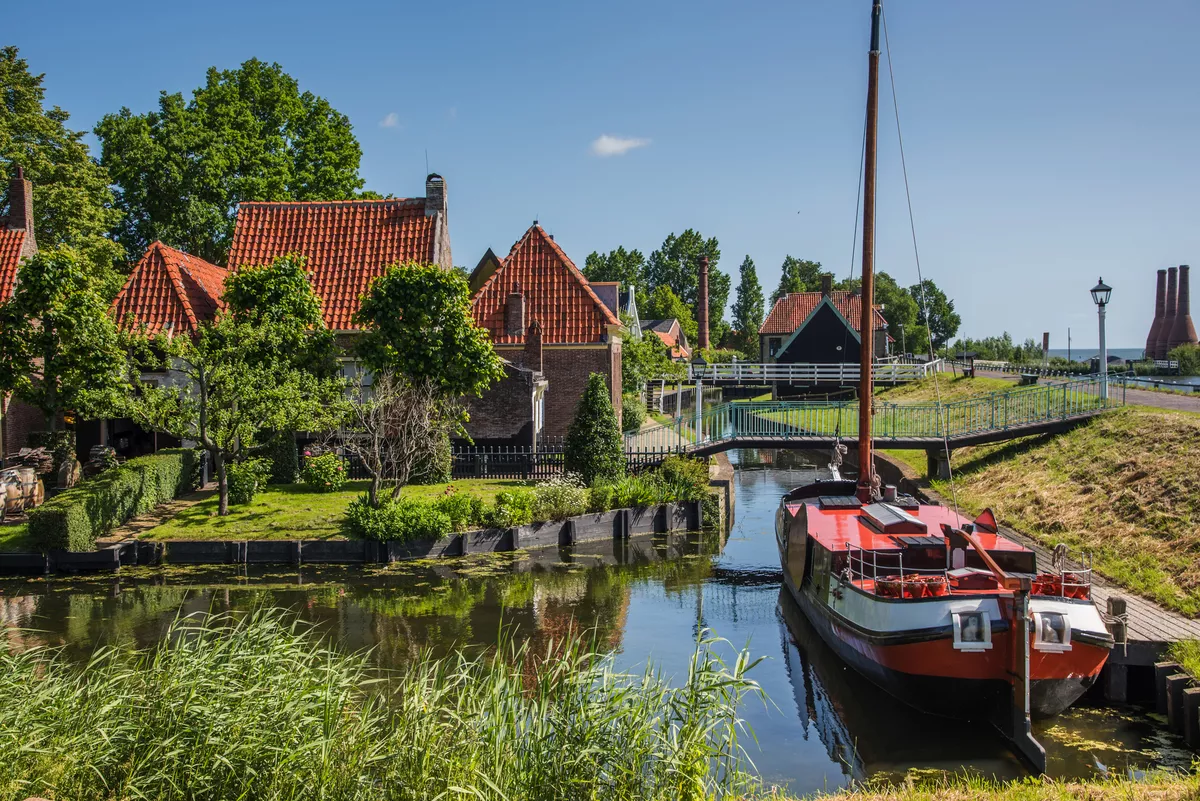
<point>821,727</point>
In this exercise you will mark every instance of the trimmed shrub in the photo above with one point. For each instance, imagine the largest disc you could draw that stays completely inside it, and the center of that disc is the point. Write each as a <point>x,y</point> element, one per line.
<point>246,478</point>
<point>512,508</point>
<point>400,520</point>
<point>281,449</point>
<point>74,519</point>
<point>324,473</point>
<point>633,411</point>
<point>560,498</point>
<point>601,498</point>
<point>439,468</point>
<point>684,479</point>
<point>594,448</point>
<point>465,511</point>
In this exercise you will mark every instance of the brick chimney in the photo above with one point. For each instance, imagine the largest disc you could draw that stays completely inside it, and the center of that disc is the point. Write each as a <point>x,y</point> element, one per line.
<point>20,210</point>
<point>514,314</point>
<point>702,305</point>
<point>1160,308</point>
<point>1168,322</point>
<point>1183,332</point>
<point>532,356</point>
<point>826,284</point>
<point>435,194</point>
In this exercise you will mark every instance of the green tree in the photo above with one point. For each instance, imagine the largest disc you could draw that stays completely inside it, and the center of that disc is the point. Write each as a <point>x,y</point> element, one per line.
<point>247,134</point>
<point>646,358</point>
<point>223,390</point>
<point>798,275</point>
<point>59,349</point>
<point>417,323</point>
<point>73,203</point>
<point>626,266</point>
<point>593,447</point>
<point>748,308</point>
<point>677,265</point>
<point>936,312</point>
<point>663,304</point>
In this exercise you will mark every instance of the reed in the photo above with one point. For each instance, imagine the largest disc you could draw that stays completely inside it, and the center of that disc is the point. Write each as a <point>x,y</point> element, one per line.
<point>257,707</point>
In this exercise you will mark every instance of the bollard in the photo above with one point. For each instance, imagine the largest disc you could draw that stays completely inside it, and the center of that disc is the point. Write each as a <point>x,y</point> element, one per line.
<point>1176,684</point>
<point>1191,716</point>
<point>1161,671</point>
<point>1116,683</point>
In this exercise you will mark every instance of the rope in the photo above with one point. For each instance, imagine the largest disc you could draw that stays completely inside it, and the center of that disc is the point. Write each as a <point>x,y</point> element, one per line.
<point>917,255</point>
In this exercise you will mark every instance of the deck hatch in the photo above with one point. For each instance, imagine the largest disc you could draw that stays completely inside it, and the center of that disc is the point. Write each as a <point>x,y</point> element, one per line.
<point>840,502</point>
<point>891,520</point>
<point>921,542</point>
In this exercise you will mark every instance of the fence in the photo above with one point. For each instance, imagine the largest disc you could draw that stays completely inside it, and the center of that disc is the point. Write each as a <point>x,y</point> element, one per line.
<point>800,420</point>
<point>516,461</point>
<point>799,374</point>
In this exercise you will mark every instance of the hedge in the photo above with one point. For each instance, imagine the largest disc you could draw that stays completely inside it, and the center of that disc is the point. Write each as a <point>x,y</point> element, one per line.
<point>74,519</point>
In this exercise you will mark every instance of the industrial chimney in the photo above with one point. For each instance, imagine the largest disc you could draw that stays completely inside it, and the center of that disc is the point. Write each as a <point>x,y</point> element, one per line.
<point>702,303</point>
<point>1182,330</point>
<point>1160,304</point>
<point>1168,321</point>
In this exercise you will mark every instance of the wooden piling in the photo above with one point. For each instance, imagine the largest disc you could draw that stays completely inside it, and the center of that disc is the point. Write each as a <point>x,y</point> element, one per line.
<point>1191,716</point>
<point>1176,683</point>
<point>1161,671</point>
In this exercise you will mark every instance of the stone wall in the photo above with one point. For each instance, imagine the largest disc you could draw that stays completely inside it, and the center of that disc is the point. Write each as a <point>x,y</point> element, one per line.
<point>504,414</point>
<point>19,420</point>
<point>567,370</point>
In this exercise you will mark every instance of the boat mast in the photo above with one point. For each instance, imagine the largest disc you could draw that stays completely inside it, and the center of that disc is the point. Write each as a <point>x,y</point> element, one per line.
<point>866,466</point>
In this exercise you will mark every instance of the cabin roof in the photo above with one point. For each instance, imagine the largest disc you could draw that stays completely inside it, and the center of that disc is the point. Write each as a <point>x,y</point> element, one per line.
<point>837,528</point>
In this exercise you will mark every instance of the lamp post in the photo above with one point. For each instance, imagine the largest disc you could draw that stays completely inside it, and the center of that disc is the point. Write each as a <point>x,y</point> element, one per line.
<point>1101,292</point>
<point>698,365</point>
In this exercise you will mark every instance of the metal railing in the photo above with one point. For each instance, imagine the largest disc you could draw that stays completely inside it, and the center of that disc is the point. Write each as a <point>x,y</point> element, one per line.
<point>835,373</point>
<point>906,583</point>
<point>1013,409</point>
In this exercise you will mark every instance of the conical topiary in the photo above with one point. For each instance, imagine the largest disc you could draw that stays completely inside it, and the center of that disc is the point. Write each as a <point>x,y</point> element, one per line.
<point>594,448</point>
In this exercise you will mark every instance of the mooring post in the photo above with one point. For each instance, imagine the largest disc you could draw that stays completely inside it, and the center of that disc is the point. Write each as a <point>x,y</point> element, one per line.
<point>1021,727</point>
<point>1191,716</point>
<point>1176,684</point>
<point>1161,671</point>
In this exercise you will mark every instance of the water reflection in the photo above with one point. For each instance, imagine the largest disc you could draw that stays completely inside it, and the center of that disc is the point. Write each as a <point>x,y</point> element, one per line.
<point>645,599</point>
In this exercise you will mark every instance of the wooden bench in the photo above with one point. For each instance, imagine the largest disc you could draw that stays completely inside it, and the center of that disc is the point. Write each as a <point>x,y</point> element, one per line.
<point>1028,379</point>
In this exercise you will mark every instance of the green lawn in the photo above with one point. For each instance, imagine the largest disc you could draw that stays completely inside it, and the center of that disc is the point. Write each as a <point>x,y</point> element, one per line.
<point>293,511</point>
<point>15,537</point>
<point>949,387</point>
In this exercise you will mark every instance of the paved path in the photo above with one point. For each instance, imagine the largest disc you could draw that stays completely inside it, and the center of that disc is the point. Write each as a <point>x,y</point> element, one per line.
<point>1136,397</point>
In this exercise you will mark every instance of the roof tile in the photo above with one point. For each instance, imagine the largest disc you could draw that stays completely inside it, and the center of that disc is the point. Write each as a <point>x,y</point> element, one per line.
<point>791,310</point>
<point>556,294</point>
<point>11,242</point>
<point>171,290</point>
<point>347,244</point>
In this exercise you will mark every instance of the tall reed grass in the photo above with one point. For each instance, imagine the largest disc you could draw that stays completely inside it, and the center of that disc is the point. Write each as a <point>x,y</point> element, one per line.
<point>259,708</point>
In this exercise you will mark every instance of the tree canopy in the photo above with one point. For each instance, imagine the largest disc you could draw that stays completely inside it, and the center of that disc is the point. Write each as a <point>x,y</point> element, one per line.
<point>73,203</point>
<point>417,323</point>
<point>663,304</point>
<point>748,308</point>
<point>798,275</point>
<point>626,266</point>
<point>247,134</point>
<point>676,264</point>
<point>59,349</point>
<point>936,311</point>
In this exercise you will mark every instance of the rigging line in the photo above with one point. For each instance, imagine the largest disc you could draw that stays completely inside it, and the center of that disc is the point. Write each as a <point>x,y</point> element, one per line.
<point>917,256</point>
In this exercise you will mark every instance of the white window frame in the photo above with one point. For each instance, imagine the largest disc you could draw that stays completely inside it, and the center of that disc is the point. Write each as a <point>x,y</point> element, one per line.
<point>956,624</point>
<point>1051,647</point>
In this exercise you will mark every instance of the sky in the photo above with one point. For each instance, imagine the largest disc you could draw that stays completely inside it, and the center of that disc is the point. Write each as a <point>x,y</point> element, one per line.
<point>1047,143</point>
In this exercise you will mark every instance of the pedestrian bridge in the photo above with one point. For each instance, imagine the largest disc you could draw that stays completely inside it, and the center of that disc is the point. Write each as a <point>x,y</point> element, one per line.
<point>931,426</point>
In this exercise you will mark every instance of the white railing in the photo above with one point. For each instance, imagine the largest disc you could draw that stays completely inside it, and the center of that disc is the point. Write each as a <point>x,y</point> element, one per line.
<point>863,566</point>
<point>807,373</point>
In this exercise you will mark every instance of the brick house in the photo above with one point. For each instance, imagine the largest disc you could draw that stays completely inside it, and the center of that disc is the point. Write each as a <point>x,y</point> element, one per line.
<point>537,293</point>
<point>818,328</point>
<point>17,243</point>
<point>672,335</point>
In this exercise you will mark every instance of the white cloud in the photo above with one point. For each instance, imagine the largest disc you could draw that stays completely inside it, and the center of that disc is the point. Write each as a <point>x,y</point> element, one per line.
<point>392,120</point>
<point>606,145</point>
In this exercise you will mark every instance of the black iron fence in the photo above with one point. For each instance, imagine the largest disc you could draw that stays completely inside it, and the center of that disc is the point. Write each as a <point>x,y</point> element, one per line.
<point>516,461</point>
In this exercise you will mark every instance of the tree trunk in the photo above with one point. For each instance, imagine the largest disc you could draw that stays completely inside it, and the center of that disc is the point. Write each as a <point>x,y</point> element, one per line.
<point>373,492</point>
<point>222,482</point>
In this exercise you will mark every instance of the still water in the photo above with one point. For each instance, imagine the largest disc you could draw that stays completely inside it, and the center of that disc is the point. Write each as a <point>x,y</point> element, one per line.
<point>821,728</point>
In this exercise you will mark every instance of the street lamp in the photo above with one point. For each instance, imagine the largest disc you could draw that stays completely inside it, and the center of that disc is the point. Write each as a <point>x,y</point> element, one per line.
<point>1101,292</point>
<point>698,372</point>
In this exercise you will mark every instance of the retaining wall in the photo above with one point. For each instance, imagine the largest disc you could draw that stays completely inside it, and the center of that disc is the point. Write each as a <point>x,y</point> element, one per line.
<point>617,524</point>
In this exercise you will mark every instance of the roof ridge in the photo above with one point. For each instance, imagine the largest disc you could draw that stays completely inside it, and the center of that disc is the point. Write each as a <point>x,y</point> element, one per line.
<point>349,202</point>
<point>579,276</point>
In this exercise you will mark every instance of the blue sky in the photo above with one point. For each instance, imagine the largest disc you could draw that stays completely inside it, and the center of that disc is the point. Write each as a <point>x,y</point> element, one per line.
<point>1048,143</point>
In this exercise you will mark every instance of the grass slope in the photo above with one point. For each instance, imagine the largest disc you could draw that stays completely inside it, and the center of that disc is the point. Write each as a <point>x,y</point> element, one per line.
<point>1125,486</point>
<point>952,388</point>
<point>293,511</point>
<point>1154,788</point>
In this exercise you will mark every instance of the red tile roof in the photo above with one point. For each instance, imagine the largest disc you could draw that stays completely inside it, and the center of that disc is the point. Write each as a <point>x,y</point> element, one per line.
<point>11,242</point>
<point>170,289</point>
<point>791,311</point>
<point>556,294</point>
<point>671,340</point>
<point>348,244</point>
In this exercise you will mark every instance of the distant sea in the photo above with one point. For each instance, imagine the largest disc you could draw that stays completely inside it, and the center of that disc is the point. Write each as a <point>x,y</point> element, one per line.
<point>1083,354</point>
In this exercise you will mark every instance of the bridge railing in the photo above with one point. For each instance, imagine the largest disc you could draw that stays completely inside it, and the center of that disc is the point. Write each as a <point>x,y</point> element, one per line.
<point>824,420</point>
<point>804,373</point>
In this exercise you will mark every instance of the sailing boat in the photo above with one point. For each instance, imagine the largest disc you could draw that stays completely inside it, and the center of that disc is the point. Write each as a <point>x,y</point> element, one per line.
<point>943,612</point>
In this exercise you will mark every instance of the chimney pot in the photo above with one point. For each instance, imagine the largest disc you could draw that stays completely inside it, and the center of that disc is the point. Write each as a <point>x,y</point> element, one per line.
<point>435,195</point>
<point>20,210</point>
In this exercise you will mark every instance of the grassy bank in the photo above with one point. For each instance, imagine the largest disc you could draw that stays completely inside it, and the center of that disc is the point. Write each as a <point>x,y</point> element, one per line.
<point>258,708</point>
<point>292,511</point>
<point>1124,486</point>
<point>1157,788</point>
<point>951,387</point>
